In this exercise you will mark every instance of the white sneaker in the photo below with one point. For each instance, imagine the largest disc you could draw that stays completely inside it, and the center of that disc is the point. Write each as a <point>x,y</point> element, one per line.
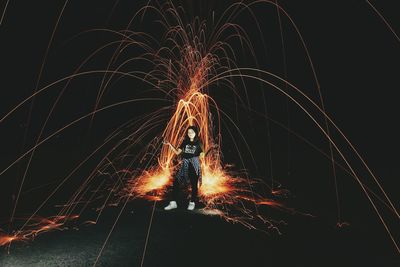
<point>171,205</point>
<point>191,206</point>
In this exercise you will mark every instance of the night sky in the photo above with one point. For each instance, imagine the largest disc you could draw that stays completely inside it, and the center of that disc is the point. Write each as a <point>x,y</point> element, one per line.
<point>355,56</point>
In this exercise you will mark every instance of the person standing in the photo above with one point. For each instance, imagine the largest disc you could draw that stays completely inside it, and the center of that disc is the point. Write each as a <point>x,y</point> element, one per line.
<point>191,150</point>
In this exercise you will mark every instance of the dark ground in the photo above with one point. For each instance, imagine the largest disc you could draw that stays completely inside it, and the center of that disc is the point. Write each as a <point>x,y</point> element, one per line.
<point>183,238</point>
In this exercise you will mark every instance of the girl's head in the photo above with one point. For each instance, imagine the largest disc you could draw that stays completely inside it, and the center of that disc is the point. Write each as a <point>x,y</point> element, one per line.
<point>192,133</point>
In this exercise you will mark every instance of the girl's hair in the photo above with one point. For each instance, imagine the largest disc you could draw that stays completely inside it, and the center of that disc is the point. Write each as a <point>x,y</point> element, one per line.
<point>196,138</point>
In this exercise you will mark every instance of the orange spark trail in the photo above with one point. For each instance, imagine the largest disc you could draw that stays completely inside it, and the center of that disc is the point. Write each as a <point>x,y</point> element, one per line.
<point>186,60</point>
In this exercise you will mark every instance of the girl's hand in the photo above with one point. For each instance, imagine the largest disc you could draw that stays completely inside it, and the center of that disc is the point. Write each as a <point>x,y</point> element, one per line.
<point>165,142</point>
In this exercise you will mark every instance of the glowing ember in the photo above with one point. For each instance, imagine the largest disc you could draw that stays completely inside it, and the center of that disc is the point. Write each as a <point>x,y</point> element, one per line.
<point>214,183</point>
<point>153,182</point>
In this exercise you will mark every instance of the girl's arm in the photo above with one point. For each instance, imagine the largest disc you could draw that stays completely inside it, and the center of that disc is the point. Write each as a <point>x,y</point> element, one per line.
<point>202,154</point>
<point>176,151</point>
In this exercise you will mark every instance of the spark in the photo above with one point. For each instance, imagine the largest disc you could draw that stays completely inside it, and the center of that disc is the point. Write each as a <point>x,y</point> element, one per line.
<point>188,60</point>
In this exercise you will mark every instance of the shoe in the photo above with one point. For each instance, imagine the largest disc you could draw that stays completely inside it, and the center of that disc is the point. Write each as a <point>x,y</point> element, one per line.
<point>171,205</point>
<point>191,206</point>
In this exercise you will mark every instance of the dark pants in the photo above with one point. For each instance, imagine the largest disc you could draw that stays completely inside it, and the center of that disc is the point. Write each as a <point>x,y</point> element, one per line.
<point>194,178</point>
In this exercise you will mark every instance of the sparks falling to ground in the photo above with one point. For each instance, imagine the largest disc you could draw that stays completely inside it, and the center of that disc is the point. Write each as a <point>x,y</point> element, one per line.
<point>183,64</point>
<point>219,188</point>
<point>184,67</point>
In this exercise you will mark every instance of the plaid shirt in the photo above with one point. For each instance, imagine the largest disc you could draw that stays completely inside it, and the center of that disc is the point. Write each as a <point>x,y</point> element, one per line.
<point>183,173</point>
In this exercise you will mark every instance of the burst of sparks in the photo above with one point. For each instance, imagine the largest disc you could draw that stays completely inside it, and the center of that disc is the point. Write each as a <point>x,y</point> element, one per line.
<point>185,65</point>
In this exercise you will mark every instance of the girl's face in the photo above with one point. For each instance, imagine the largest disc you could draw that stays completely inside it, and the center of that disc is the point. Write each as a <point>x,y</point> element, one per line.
<point>191,133</point>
